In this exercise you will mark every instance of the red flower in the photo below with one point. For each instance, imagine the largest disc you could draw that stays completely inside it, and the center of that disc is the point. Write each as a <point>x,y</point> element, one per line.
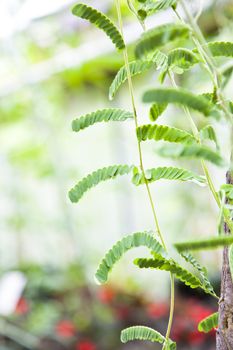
<point>196,338</point>
<point>22,307</point>
<point>106,295</point>
<point>65,329</point>
<point>186,322</point>
<point>85,345</point>
<point>198,312</point>
<point>157,310</point>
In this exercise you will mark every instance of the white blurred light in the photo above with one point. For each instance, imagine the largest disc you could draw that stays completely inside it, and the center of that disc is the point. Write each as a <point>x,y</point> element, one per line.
<point>32,9</point>
<point>11,287</point>
<point>15,16</point>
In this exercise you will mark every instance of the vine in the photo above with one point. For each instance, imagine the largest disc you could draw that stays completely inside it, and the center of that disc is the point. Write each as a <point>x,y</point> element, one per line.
<point>152,51</point>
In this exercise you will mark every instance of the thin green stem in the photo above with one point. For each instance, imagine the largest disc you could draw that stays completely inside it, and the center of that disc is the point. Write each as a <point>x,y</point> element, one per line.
<point>177,14</point>
<point>199,11</point>
<point>211,184</point>
<point>134,11</point>
<point>172,306</point>
<point>198,34</point>
<point>204,62</point>
<point>209,64</point>
<point>186,110</point>
<point>207,55</point>
<point>131,91</point>
<point>202,54</point>
<point>204,166</point>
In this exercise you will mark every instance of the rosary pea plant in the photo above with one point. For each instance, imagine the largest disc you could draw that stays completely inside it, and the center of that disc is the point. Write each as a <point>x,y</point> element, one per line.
<point>153,51</point>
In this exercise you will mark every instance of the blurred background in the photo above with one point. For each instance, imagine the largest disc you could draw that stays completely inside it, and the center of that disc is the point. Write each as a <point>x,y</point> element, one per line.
<point>54,68</point>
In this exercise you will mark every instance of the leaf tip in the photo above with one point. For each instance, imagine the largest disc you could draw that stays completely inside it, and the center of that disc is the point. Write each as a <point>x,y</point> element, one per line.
<point>110,95</point>
<point>98,280</point>
<point>72,196</point>
<point>73,126</point>
<point>75,8</point>
<point>122,337</point>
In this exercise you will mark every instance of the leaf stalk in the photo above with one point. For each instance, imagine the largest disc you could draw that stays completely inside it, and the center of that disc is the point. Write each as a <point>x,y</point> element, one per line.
<point>131,91</point>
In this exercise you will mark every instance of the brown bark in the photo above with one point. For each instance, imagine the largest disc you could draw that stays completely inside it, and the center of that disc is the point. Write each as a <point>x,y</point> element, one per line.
<point>224,337</point>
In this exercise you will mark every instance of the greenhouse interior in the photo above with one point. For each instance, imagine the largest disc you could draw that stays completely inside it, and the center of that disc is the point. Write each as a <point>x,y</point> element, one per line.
<point>103,104</point>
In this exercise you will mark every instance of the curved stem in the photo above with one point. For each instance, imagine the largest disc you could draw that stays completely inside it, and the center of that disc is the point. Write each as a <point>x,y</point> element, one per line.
<point>196,134</point>
<point>209,65</point>
<point>211,184</point>
<point>203,48</point>
<point>186,110</point>
<point>131,91</point>
<point>199,10</point>
<point>204,166</point>
<point>134,11</point>
<point>172,306</point>
<point>198,34</point>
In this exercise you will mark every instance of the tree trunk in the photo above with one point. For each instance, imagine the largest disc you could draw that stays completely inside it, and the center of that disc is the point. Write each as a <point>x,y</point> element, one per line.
<point>224,338</point>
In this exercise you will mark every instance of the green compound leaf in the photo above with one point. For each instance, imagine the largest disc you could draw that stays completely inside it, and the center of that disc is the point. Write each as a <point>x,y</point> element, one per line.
<point>121,247</point>
<point>210,96</point>
<point>101,21</point>
<point>209,323</point>
<point>160,59</point>
<point>210,243</point>
<point>136,67</point>
<point>178,96</point>
<point>191,151</point>
<point>163,132</point>
<point>228,189</point>
<point>141,333</point>
<point>202,271</point>
<point>218,49</point>
<point>181,58</point>
<point>151,6</point>
<point>167,173</point>
<point>157,110</point>
<point>161,263</point>
<point>145,333</point>
<point>107,173</point>
<point>160,36</point>
<point>105,115</point>
<point>208,133</point>
<point>157,61</point>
